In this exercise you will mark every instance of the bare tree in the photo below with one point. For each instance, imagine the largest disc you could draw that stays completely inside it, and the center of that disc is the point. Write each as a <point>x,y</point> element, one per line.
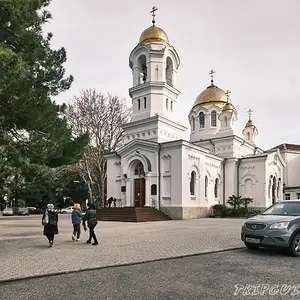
<point>101,117</point>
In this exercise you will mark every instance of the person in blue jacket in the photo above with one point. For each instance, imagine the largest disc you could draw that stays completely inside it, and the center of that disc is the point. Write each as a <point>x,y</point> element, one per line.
<point>76,221</point>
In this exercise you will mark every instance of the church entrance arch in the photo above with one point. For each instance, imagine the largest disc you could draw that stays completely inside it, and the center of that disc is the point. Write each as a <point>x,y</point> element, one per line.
<point>139,184</point>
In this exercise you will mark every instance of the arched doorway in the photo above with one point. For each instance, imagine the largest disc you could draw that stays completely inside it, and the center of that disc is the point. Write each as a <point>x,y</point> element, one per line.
<point>274,190</point>
<point>139,184</point>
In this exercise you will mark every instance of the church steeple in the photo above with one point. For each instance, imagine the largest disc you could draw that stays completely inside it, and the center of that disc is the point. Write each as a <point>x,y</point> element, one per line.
<point>154,65</point>
<point>250,132</point>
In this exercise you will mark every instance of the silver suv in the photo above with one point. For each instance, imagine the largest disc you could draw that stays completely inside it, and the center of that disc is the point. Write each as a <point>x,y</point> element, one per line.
<point>277,226</point>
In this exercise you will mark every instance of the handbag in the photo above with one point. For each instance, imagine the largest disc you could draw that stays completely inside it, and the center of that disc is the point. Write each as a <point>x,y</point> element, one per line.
<point>45,220</point>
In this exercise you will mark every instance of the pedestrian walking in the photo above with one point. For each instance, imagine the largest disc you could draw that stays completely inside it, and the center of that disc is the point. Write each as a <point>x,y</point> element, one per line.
<point>91,218</point>
<point>50,223</point>
<point>76,221</point>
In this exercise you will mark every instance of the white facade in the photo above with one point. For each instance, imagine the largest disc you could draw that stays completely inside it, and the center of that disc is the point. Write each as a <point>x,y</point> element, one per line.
<point>156,166</point>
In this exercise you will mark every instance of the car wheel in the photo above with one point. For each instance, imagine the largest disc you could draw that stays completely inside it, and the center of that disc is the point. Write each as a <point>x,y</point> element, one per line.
<point>295,245</point>
<point>251,246</point>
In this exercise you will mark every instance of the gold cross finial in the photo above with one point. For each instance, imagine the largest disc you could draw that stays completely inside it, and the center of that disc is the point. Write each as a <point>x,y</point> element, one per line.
<point>250,111</point>
<point>153,14</point>
<point>211,73</point>
<point>227,94</point>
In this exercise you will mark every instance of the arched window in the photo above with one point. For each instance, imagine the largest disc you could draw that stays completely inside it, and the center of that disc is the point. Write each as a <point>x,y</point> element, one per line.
<point>193,183</point>
<point>171,105</point>
<point>139,104</point>
<point>274,190</point>
<point>167,104</point>
<point>225,121</point>
<point>153,189</point>
<point>193,123</point>
<point>145,102</point>
<point>206,186</point>
<point>201,119</point>
<point>248,188</point>
<point>139,169</point>
<point>169,71</point>
<point>248,136</point>
<point>278,187</point>
<point>142,67</point>
<point>216,187</point>
<point>213,118</point>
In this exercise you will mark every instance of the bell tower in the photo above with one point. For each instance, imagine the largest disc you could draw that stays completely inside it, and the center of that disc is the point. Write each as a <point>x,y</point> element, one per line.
<point>154,63</point>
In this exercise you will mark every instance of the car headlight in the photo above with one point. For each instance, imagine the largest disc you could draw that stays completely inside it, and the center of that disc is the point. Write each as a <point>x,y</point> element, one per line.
<point>280,225</point>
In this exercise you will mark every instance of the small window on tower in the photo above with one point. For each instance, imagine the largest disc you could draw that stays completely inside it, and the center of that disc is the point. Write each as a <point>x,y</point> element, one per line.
<point>202,120</point>
<point>139,104</point>
<point>248,136</point>
<point>213,118</point>
<point>167,104</point>
<point>145,102</point>
<point>193,123</point>
<point>171,105</point>
<point>225,121</point>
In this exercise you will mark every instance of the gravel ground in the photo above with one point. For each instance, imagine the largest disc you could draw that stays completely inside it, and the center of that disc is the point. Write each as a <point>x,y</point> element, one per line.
<point>208,276</point>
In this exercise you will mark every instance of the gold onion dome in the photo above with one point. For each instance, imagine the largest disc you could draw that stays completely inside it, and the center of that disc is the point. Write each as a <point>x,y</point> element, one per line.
<point>154,34</point>
<point>228,107</point>
<point>211,95</point>
<point>250,124</point>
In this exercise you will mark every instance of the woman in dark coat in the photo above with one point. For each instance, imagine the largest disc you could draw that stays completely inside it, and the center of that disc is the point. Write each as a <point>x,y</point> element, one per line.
<point>50,221</point>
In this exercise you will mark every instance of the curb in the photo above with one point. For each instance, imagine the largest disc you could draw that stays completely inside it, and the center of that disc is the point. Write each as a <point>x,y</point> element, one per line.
<point>5,281</point>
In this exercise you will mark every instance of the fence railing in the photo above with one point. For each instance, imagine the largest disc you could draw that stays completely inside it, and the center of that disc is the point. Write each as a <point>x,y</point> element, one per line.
<point>163,209</point>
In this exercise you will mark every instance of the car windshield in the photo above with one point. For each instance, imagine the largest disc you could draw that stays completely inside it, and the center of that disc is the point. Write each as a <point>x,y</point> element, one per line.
<point>284,209</point>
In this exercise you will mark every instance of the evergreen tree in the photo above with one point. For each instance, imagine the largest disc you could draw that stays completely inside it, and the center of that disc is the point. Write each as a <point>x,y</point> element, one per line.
<point>33,128</point>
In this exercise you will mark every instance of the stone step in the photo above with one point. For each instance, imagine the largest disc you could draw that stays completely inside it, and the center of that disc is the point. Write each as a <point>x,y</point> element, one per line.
<point>130,214</point>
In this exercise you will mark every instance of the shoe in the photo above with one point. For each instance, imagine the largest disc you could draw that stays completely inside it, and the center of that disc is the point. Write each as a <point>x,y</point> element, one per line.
<point>94,244</point>
<point>73,237</point>
<point>88,242</point>
<point>77,240</point>
<point>50,243</point>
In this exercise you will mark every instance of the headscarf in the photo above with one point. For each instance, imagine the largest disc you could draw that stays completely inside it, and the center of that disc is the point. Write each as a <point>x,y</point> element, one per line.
<point>50,207</point>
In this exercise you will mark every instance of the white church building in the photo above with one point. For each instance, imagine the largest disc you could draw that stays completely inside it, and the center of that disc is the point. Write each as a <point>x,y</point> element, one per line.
<point>157,165</point>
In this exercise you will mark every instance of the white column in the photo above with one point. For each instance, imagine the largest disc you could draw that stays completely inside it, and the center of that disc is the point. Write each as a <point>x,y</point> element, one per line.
<point>147,190</point>
<point>128,192</point>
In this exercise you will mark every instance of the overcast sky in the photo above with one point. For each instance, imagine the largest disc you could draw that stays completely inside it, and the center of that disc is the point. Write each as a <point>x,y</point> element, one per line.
<point>253,45</point>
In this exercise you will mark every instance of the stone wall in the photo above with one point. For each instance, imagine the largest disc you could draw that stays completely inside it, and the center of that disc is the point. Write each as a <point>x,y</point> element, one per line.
<point>181,213</point>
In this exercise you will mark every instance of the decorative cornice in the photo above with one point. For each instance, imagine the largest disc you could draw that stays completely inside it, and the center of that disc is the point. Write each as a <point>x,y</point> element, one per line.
<point>209,164</point>
<point>247,168</point>
<point>154,119</point>
<point>151,84</point>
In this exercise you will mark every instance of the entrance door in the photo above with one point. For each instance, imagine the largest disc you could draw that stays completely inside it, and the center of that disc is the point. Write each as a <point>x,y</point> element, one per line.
<point>139,191</point>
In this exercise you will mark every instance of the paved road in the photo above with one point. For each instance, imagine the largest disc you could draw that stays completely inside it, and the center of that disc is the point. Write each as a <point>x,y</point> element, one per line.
<point>208,276</point>
<point>24,250</point>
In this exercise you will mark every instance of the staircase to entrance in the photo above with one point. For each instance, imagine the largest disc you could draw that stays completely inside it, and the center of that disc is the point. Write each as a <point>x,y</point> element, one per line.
<point>131,214</point>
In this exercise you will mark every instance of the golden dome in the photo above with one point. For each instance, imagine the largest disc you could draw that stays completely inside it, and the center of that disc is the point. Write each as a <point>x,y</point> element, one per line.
<point>228,107</point>
<point>154,34</point>
<point>212,94</point>
<point>250,124</point>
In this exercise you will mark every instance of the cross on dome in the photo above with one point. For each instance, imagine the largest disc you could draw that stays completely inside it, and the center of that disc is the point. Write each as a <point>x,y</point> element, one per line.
<point>211,73</point>
<point>153,14</point>
<point>227,94</point>
<point>250,111</point>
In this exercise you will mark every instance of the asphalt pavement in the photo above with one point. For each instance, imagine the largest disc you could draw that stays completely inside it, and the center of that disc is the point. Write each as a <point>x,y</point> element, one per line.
<point>236,274</point>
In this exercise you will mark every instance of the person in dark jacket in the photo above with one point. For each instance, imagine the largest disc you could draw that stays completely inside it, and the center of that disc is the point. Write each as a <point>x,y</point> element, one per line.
<point>91,218</point>
<point>50,221</point>
<point>110,200</point>
<point>76,221</point>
